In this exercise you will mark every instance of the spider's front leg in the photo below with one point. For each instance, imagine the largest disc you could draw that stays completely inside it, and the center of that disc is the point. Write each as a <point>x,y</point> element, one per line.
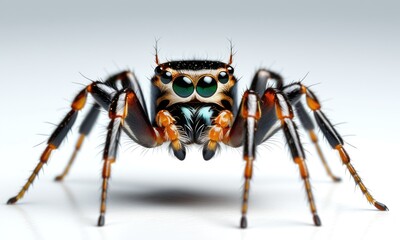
<point>284,113</point>
<point>254,122</point>
<point>308,125</point>
<point>103,92</point>
<point>250,111</point>
<point>262,79</point>
<point>126,112</point>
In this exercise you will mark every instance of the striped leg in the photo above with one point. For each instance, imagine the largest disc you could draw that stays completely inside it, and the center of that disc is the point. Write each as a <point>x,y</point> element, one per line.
<point>125,109</point>
<point>336,142</point>
<point>117,114</point>
<point>114,83</point>
<point>55,140</point>
<point>307,123</point>
<point>251,113</point>
<point>285,115</point>
<point>333,137</point>
<point>84,131</point>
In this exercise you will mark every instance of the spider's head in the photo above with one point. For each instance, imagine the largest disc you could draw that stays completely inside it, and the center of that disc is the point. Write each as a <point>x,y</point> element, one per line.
<point>194,81</point>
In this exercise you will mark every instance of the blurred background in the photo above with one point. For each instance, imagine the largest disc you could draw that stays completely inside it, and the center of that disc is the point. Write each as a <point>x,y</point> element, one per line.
<point>348,51</point>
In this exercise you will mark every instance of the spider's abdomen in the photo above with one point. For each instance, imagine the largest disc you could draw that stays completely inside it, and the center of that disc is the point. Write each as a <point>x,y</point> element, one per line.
<point>193,120</point>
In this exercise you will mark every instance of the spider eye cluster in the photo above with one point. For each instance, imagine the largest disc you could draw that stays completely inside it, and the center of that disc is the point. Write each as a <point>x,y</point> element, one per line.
<point>183,86</point>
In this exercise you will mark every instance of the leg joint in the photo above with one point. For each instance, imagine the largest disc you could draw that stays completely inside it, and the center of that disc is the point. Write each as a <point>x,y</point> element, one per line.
<point>343,154</point>
<point>251,105</point>
<point>302,166</point>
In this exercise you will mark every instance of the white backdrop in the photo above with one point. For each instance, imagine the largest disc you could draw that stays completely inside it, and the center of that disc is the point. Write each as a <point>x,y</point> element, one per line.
<point>350,49</point>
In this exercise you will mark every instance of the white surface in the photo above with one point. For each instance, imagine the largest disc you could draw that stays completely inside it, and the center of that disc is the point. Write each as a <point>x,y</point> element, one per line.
<point>153,196</point>
<point>350,48</point>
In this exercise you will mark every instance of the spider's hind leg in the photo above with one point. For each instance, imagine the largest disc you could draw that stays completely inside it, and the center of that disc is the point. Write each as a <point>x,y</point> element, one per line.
<point>55,139</point>
<point>308,125</point>
<point>334,139</point>
<point>284,114</point>
<point>122,80</point>
<point>84,131</point>
<point>250,112</point>
<point>253,125</point>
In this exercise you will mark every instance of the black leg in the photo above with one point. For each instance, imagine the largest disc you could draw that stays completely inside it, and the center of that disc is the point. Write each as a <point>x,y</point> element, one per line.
<point>294,92</point>
<point>103,92</point>
<point>264,79</point>
<point>126,112</point>
<point>285,115</point>
<point>84,131</point>
<point>308,125</point>
<point>274,103</point>
<point>250,111</point>
<point>55,139</point>
<point>336,142</point>
<point>334,139</point>
<point>117,114</point>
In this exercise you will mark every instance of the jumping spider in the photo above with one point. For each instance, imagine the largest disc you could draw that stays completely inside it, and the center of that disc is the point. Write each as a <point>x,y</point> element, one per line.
<point>194,102</point>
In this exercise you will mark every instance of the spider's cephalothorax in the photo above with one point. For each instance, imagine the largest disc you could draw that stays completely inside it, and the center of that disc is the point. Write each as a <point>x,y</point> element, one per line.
<point>194,93</point>
<point>194,102</point>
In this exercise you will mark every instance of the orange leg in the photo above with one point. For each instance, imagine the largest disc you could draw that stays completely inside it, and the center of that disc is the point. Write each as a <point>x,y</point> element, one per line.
<point>72,158</point>
<point>346,161</point>
<point>328,170</point>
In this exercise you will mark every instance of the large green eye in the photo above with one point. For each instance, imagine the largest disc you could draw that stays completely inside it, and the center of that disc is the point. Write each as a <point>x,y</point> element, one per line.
<point>206,86</point>
<point>183,86</point>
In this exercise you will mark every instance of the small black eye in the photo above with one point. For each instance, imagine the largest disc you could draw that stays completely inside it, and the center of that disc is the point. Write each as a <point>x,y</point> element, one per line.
<point>166,77</point>
<point>230,69</point>
<point>206,86</point>
<point>183,86</point>
<point>223,77</point>
<point>158,70</point>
